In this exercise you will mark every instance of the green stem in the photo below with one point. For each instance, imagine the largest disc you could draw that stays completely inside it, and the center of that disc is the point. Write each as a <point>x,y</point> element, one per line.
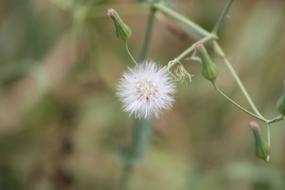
<point>268,141</point>
<point>276,119</point>
<point>130,54</point>
<point>222,17</point>
<point>141,137</point>
<point>237,79</point>
<point>268,135</point>
<point>202,32</point>
<point>197,31</point>
<point>140,141</point>
<point>127,170</point>
<point>142,128</point>
<point>189,50</point>
<point>238,105</point>
<point>147,36</point>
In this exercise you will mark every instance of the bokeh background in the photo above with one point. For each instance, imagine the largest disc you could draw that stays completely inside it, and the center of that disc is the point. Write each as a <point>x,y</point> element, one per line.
<point>61,123</point>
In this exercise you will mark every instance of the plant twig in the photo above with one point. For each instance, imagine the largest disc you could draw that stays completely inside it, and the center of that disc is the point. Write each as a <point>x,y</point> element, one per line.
<point>202,32</point>
<point>237,79</point>
<point>197,30</point>
<point>189,50</point>
<point>130,54</point>
<point>268,135</point>
<point>142,128</point>
<point>147,36</point>
<point>127,170</point>
<point>276,119</point>
<point>222,17</point>
<point>238,105</point>
<point>205,35</point>
<point>268,141</point>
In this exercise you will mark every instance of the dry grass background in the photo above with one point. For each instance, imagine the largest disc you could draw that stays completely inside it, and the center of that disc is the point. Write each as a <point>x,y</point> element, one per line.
<point>60,122</point>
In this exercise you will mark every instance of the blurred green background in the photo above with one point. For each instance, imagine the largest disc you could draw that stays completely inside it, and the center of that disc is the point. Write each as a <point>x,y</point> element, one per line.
<point>61,123</point>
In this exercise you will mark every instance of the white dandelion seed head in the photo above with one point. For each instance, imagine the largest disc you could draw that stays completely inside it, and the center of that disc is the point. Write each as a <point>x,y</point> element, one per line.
<point>146,90</point>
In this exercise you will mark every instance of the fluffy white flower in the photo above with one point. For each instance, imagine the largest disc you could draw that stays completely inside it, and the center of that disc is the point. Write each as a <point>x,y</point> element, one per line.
<point>145,90</point>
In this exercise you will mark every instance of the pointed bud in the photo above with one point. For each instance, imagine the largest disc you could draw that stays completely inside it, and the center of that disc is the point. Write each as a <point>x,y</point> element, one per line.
<point>209,68</point>
<point>281,102</point>
<point>262,150</point>
<point>123,31</point>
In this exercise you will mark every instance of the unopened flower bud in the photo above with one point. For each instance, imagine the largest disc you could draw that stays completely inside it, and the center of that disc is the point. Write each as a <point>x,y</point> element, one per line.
<point>123,31</point>
<point>262,150</point>
<point>209,68</point>
<point>281,102</point>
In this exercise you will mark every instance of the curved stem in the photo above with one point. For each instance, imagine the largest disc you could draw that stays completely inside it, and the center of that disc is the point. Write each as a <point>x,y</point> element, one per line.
<point>239,106</point>
<point>202,32</point>
<point>130,54</point>
<point>222,17</point>
<point>276,119</point>
<point>147,36</point>
<point>189,50</point>
<point>237,79</point>
<point>197,31</point>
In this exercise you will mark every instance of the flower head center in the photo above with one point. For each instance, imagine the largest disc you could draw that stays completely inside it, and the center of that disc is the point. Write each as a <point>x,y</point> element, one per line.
<point>146,89</point>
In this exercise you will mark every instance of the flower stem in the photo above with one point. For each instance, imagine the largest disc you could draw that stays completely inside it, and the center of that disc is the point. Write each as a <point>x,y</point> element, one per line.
<point>276,119</point>
<point>268,135</point>
<point>238,105</point>
<point>140,140</point>
<point>268,140</point>
<point>147,36</point>
<point>189,50</point>
<point>127,170</point>
<point>222,17</point>
<point>130,54</point>
<point>237,79</point>
<point>197,31</point>
<point>202,33</point>
<point>141,128</point>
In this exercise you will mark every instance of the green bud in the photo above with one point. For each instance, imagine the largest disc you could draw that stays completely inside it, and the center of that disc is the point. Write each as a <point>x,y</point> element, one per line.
<point>281,102</point>
<point>123,31</point>
<point>209,68</point>
<point>262,150</point>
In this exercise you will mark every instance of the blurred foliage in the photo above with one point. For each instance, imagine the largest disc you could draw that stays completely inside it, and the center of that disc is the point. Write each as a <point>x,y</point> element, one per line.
<point>61,124</point>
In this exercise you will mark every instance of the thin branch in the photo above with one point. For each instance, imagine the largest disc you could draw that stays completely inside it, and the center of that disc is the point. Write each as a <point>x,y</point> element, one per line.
<point>222,17</point>
<point>189,50</point>
<point>130,54</point>
<point>142,128</point>
<point>276,119</point>
<point>197,31</point>
<point>219,50</point>
<point>238,105</point>
<point>147,36</point>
